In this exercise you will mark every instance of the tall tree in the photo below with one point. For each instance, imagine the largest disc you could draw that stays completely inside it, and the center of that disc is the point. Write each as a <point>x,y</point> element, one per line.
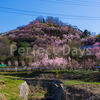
<point>86,33</point>
<point>41,19</point>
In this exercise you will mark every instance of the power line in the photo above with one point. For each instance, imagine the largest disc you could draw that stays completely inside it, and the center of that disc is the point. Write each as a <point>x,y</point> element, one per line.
<point>75,3</point>
<point>80,1</point>
<point>46,16</point>
<point>30,13</point>
<point>18,13</point>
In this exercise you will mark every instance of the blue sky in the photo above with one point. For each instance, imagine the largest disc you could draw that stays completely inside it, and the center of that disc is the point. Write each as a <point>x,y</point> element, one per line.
<point>9,21</point>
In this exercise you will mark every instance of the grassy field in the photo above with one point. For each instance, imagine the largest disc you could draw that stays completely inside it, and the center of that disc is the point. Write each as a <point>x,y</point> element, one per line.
<point>9,88</point>
<point>75,82</point>
<point>81,75</point>
<point>37,71</point>
<point>9,85</point>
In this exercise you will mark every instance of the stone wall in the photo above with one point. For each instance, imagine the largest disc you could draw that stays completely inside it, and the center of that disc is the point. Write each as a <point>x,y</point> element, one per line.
<point>55,90</point>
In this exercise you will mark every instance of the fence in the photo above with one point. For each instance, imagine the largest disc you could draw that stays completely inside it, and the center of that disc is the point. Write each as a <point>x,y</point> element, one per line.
<point>35,68</point>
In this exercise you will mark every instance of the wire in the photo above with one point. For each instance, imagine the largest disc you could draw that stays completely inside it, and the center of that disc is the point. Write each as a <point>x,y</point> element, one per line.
<point>18,13</point>
<point>50,14</point>
<point>46,16</point>
<point>75,3</point>
<point>80,1</point>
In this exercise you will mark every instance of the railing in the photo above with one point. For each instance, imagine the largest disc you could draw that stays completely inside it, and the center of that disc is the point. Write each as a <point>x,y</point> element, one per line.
<point>20,68</point>
<point>27,68</point>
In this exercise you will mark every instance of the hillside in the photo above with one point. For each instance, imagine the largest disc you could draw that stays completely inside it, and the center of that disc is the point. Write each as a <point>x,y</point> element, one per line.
<point>36,32</point>
<point>61,46</point>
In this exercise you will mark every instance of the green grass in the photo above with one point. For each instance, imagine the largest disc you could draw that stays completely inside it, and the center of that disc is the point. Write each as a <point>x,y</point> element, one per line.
<point>82,75</point>
<point>74,82</point>
<point>38,71</point>
<point>10,88</point>
<point>73,71</point>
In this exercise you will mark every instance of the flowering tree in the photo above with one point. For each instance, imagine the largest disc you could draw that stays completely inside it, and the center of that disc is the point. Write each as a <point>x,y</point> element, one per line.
<point>51,63</point>
<point>96,50</point>
<point>90,40</point>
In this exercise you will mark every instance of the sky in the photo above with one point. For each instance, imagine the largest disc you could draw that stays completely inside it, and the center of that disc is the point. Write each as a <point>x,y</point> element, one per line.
<point>85,14</point>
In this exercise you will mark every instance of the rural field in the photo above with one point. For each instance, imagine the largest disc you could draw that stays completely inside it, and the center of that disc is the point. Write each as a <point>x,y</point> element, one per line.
<point>49,50</point>
<point>80,84</point>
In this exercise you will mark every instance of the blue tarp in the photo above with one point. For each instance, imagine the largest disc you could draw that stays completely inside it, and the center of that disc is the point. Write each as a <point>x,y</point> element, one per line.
<point>97,66</point>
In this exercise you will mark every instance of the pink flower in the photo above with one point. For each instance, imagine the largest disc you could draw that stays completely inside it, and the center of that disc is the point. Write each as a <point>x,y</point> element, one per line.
<point>97,44</point>
<point>46,62</point>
